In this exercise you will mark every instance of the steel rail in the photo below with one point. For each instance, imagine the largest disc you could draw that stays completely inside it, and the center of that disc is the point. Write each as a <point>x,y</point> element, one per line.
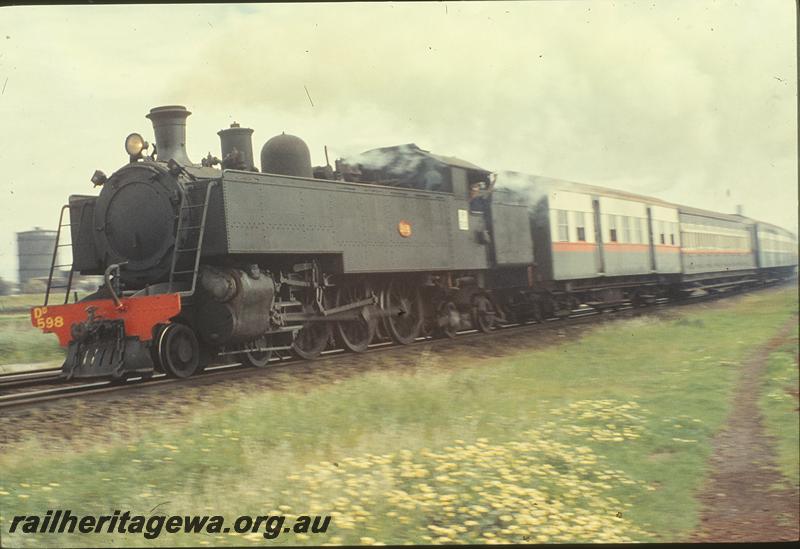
<point>583,315</point>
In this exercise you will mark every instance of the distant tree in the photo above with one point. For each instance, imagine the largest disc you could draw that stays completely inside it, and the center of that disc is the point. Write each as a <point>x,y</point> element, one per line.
<point>5,287</point>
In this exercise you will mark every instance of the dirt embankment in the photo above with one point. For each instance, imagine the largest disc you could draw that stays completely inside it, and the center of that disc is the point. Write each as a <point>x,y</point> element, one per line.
<point>745,497</point>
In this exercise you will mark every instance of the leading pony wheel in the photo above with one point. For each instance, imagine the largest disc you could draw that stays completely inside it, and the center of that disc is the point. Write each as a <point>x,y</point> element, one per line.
<point>179,351</point>
<point>257,359</point>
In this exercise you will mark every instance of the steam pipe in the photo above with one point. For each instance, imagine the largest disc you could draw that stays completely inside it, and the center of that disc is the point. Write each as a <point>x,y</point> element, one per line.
<point>110,286</point>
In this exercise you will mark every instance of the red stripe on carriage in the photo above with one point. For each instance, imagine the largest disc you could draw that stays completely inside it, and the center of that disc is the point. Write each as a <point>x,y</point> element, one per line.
<point>625,247</point>
<point>574,246</point>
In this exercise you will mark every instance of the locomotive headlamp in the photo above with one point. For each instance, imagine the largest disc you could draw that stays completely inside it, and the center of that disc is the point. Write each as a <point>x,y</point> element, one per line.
<point>135,144</point>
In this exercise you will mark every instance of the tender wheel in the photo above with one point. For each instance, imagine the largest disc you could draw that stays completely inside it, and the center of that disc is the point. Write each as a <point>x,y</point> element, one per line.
<point>405,327</point>
<point>257,359</point>
<point>354,335</point>
<point>179,351</point>
<point>483,313</point>
<point>312,338</point>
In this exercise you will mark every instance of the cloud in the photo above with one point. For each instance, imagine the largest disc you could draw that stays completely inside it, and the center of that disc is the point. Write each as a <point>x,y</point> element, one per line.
<point>681,100</point>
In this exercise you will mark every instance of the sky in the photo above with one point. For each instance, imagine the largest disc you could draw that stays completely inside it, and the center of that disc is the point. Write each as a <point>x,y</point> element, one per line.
<point>690,101</point>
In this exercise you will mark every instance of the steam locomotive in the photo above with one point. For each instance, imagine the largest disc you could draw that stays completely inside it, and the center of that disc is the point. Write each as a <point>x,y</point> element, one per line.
<point>223,260</point>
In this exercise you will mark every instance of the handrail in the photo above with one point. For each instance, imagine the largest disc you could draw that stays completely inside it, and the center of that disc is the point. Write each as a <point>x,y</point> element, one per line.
<point>55,254</point>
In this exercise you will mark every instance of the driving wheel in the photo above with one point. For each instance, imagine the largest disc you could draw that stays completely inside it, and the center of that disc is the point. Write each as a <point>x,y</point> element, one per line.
<point>483,313</point>
<point>405,326</point>
<point>448,320</point>
<point>312,338</point>
<point>354,335</point>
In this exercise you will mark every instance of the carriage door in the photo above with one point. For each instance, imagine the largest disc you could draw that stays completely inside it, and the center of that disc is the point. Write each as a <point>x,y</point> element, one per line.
<point>598,235</point>
<point>650,239</point>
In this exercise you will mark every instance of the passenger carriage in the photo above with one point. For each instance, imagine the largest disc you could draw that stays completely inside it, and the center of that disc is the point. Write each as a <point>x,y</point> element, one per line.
<point>718,249</point>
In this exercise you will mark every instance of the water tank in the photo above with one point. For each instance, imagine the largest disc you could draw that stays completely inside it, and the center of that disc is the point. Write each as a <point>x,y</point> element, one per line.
<point>286,155</point>
<point>35,249</point>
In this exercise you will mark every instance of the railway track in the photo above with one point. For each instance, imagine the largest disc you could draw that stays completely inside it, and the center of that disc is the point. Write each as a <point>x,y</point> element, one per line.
<point>26,379</point>
<point>33,388</point>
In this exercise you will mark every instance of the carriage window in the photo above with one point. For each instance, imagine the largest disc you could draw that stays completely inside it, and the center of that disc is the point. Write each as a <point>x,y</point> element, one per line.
<point>626,228</point>
<point>637,229</point>
<point>612,228</point>
<point>673,228</point>
<point>661,232</point>
<point>563,226</point>
<point>580,221</point>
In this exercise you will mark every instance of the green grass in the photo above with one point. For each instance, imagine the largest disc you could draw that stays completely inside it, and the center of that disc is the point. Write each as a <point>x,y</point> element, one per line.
<point>779,404</point>
<point>602,439</point>
<point>20,303</point>
<point>21,343</point>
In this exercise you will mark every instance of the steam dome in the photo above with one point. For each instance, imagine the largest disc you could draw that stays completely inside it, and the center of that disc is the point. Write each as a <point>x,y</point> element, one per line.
<point>286,155</point>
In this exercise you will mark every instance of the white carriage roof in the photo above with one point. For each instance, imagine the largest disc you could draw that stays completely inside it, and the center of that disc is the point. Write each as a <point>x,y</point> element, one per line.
<point>574,186</point>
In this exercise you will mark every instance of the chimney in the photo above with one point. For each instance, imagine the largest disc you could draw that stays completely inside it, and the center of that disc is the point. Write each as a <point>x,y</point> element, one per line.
<point>169,126</point>
<point>740,210</point>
